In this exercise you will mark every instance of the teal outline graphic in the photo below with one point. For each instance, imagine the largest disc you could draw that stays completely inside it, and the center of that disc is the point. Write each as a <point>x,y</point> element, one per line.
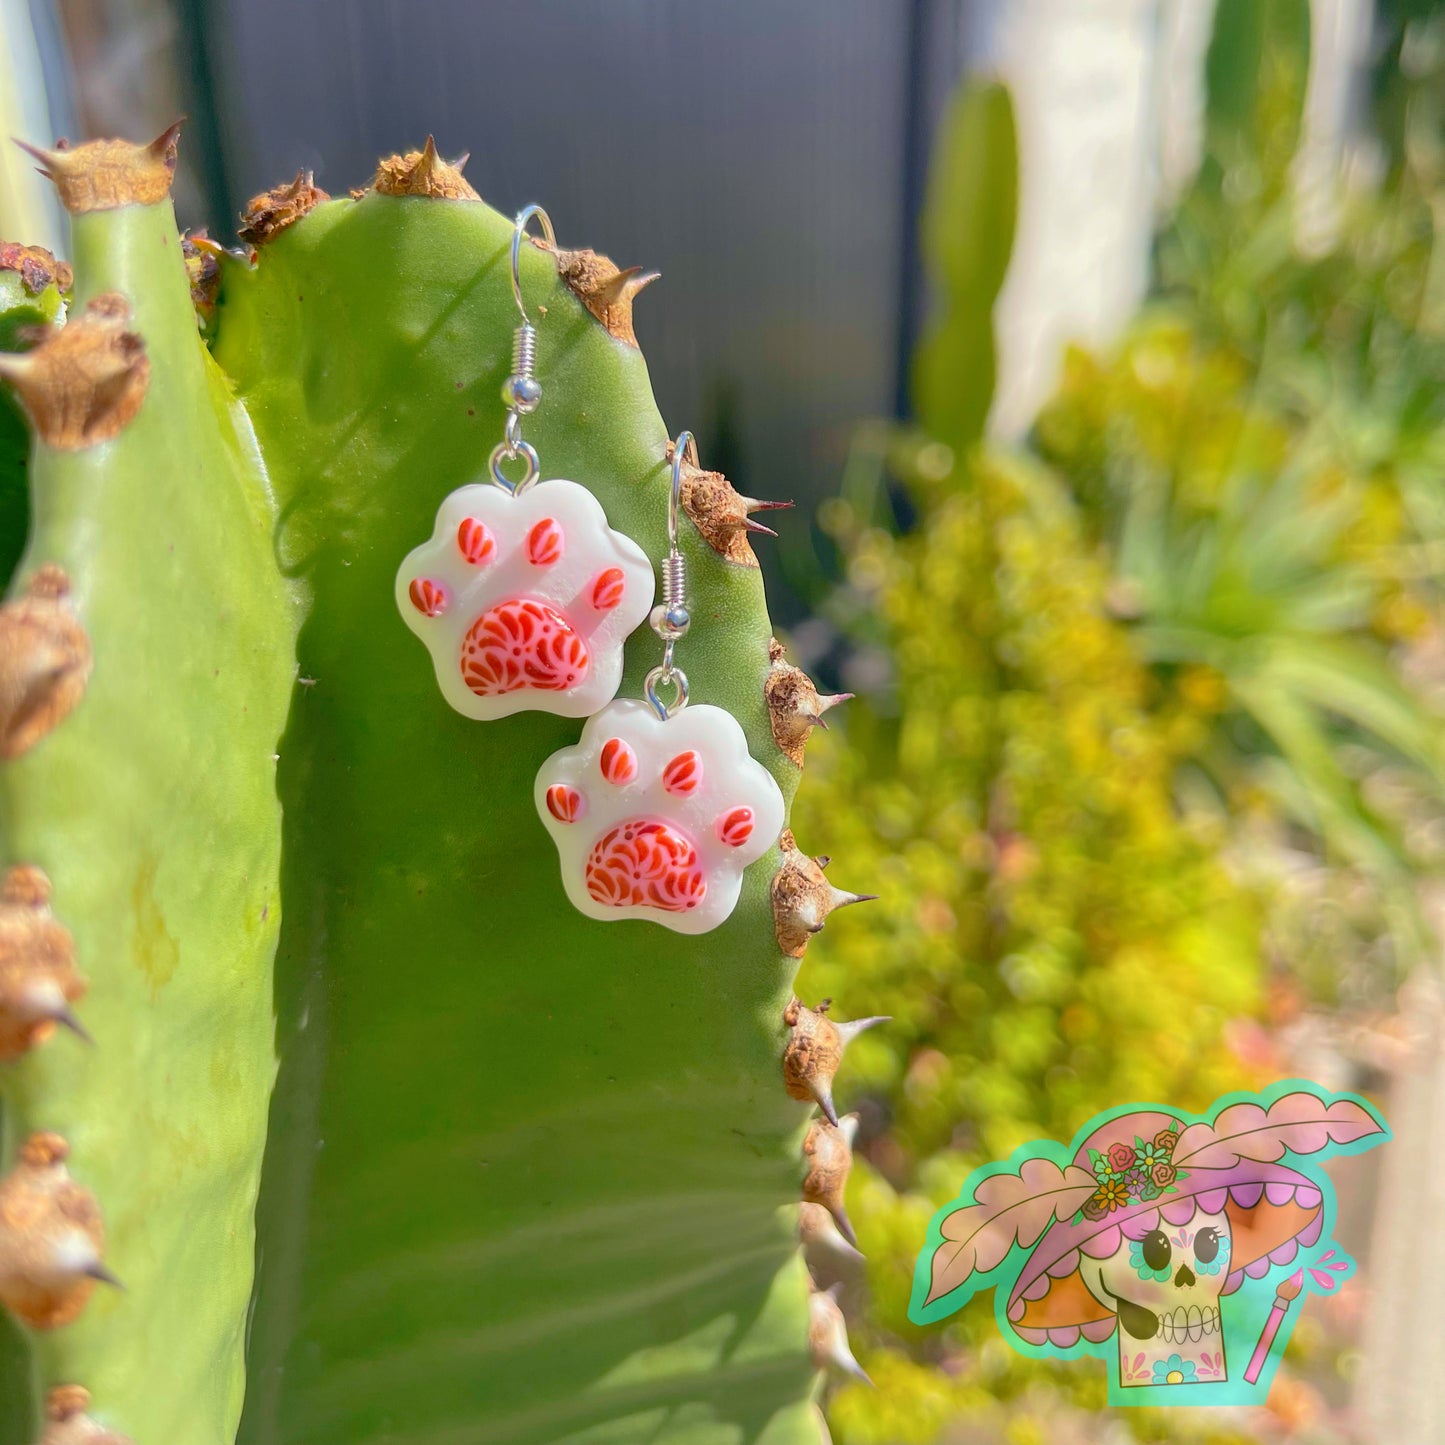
<point>1323,1267</point>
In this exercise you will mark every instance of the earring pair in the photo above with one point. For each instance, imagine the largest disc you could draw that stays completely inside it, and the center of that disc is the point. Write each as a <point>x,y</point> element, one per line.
<point>525,596</point>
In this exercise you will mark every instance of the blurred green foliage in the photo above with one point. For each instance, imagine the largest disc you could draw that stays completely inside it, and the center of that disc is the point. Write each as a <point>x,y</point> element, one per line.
<point>1052,937</point>
<point>1154,765</point>
<point>1260,460</point>
<point>967,233</point>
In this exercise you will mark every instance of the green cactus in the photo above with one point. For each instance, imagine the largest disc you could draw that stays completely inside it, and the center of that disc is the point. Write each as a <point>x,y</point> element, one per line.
<point>523,1177</point>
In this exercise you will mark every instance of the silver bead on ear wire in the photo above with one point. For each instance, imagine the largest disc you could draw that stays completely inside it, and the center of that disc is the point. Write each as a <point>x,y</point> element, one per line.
<point>521,391</point>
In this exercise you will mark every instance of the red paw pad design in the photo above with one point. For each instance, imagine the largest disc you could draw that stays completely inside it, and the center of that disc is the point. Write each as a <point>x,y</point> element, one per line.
<point>475,541</point>
<point>607,589</point>
<point>428,597</point>
<point>683,774</point>
<point>522,643</point>
<point>645,863</point>
<point>565,804</point>
<point>736,827</point>
<point>618,762</point>
<point>545,543</point>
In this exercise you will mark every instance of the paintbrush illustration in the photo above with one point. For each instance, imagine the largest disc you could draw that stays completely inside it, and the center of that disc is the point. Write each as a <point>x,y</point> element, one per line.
<point>1284,1297</point>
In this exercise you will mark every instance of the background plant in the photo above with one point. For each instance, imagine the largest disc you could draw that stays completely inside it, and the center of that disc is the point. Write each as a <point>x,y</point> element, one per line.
<point>1157,766</point>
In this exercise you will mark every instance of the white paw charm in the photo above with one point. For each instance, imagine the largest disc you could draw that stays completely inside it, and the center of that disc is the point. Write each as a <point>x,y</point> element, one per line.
<point>525,601</point>
<point>657,819</point>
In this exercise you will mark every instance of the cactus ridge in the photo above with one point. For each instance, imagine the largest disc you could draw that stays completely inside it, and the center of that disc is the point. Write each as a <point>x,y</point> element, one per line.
<point>520,1174</point>
<point>145,793</point>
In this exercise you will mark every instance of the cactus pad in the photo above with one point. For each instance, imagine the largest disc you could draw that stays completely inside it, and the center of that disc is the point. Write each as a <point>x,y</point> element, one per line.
<point>523,1175</point>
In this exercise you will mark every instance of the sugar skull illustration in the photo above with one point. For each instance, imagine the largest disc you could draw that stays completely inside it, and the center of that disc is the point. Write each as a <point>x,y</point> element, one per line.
<point>1165,1288</point>
<point>1141,1242</point>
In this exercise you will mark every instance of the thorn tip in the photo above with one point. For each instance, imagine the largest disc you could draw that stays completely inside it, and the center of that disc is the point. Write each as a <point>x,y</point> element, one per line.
<point>66,1018</point>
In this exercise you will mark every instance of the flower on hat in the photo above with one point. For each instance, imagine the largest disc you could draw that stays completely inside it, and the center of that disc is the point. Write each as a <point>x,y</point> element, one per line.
<point>1136,1181</point>
<point>1149,1153</point>
<point>1112,1193</point>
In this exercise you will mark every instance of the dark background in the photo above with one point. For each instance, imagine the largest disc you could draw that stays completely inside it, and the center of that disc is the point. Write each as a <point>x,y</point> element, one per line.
<point>766,156</point>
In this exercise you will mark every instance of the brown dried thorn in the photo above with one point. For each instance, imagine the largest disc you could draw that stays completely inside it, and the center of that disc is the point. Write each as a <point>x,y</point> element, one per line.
<point>203,270</point>
<point>103,175</point>
<point>38,977</point>
<point>828,1335</point>
<point>795,706</point>
<point>86,379</point>
<point>720,513</point>
<point>825,1251</point>
<point>605,290</point>
<point>51,1237</point>
<point>803,898</point>
<point>36,266</point>
<point>828,1152</point>
<point>44,661</point>
<point>423,173</point>
<point>68,1424</point>
<point>814,1051</point>
<point>272,211</point>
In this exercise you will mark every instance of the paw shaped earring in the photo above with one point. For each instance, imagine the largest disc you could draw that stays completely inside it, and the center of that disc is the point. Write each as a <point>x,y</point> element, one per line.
<point>524,595</point>
<point>659,807</point>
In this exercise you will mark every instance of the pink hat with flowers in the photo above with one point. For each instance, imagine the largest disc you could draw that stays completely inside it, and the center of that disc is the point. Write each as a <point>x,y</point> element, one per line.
<point>1135,1172</point>
<point>1140,1179</point>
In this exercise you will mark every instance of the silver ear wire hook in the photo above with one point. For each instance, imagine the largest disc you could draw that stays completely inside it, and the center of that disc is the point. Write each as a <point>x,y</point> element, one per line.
<point>670,619</point>
<point>684,447</point>
<point>519,229</point>
<point>521,390</point>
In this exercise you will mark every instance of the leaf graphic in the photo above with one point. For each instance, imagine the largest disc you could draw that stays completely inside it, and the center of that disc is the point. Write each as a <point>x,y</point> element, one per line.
<point>1301,1123</point>
<point>1008,1209</point>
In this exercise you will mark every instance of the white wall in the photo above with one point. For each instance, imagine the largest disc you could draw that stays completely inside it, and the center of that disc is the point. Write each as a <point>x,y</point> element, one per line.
<point>1109,100</point>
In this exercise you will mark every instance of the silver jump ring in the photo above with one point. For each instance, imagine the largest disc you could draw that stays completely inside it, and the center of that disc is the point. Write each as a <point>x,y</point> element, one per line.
<point>503,453</point>
<point>519,230</point>
<point>664,675</point>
